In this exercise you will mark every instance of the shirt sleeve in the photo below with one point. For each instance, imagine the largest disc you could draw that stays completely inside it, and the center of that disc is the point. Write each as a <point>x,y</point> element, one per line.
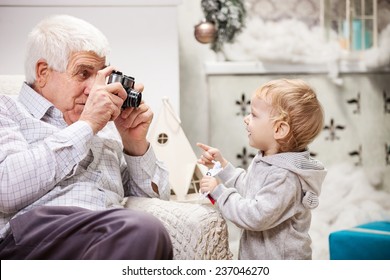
<point>273,203</point>
<point>30,170</point>
<point>143,171</point>
<point>233,177</point>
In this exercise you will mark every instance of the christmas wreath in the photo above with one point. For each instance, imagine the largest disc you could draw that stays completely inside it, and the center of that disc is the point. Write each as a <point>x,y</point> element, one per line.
<point>228,17</point>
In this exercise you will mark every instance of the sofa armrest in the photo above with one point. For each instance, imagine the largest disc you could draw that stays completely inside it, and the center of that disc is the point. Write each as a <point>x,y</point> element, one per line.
<point>10,84</point>
<point>197,231</point>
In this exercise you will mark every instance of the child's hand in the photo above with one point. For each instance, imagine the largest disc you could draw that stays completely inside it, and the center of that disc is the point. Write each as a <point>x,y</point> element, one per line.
<point>208,184</point>
<point>209,155</point>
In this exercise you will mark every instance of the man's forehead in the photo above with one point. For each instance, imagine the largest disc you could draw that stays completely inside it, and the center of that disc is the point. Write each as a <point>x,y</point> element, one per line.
<point>86,60</point>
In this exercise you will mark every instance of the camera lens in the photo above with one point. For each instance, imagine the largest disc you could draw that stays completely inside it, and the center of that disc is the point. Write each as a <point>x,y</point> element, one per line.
<point>133,99</point>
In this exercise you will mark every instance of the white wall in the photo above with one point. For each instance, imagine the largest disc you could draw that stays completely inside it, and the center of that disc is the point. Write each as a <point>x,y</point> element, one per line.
<point>143,35</point>
<point>193,88</point>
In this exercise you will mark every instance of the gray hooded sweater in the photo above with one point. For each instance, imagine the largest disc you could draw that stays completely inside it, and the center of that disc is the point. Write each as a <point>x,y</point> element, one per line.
<point>272,203</point>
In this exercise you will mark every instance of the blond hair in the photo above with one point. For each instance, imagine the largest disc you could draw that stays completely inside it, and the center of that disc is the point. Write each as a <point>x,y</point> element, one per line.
<point>294,102</point>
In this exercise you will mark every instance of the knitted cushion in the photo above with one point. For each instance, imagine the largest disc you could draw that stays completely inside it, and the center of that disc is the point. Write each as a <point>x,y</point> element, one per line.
<point>197,231</point>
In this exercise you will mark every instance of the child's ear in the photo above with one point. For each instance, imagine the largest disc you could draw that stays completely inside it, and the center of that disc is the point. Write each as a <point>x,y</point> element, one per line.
<point>281,129</point>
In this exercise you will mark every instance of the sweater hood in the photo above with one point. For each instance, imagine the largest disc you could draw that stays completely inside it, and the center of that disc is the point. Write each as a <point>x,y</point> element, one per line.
<point>310,171</point>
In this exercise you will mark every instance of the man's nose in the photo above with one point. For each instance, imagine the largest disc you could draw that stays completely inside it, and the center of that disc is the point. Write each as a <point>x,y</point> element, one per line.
<point>88,86</point>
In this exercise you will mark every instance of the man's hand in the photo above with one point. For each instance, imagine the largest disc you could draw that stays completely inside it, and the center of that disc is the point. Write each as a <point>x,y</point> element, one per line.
<point>133,125</point>
<point>104,101</point>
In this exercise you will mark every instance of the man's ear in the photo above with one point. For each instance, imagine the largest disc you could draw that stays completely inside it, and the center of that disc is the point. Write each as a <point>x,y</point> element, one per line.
<point>42,73</point>
<point>281,129</point>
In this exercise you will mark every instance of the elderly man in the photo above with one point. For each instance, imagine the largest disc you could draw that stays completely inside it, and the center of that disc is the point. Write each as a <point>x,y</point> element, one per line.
<point>70,154</point>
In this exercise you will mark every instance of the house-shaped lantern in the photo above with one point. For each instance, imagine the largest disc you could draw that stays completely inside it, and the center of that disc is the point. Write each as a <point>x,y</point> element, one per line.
<point>354,22</point>
<point>172,147</point>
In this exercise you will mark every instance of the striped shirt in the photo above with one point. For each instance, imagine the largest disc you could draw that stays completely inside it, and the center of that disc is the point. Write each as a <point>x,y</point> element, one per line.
<point>44,161</point>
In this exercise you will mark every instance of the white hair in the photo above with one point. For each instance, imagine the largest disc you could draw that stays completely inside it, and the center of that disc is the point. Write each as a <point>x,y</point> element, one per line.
<point>56,38</point>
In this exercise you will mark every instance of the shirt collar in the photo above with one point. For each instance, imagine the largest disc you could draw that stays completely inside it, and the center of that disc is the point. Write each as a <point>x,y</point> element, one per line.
<point>36,104</point>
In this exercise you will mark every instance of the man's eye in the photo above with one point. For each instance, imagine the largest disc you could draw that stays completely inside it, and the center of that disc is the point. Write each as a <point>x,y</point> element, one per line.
<point>84,74</point>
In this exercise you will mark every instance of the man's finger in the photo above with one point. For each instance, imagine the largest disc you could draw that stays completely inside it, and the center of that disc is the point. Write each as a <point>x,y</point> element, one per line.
<point>101,75</point>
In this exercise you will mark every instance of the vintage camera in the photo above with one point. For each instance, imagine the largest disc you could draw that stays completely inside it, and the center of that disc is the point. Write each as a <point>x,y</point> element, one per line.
<point>133,97</point>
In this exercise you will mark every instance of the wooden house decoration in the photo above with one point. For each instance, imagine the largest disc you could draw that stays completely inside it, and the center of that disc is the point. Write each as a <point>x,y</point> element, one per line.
<point>172,147</point>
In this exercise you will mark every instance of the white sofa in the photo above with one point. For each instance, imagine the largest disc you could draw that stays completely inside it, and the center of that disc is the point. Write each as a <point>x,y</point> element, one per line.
<point>198,231</point>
